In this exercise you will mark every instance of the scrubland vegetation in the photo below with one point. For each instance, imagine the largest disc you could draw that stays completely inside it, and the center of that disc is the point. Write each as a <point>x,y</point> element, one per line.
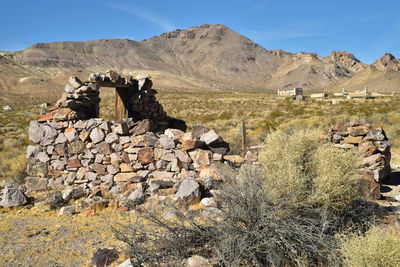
<point>302,206</point>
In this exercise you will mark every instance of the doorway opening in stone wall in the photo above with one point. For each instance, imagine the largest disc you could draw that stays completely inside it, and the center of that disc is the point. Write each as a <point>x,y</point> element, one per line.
<point>107,103</point>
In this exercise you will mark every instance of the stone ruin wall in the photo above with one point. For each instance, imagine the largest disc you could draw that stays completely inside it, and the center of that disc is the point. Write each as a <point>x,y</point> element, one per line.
<point>374,146</point>
<point>133,158</point>
<point>83,156</point>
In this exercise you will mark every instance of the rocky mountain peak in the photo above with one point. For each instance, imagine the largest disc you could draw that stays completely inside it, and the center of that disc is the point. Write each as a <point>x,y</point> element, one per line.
<point>346,60</point>
<point>387,63</point>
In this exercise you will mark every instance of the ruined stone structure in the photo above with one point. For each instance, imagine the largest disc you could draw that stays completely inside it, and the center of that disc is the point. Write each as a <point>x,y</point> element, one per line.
<point>374,146</point>
<point>135,155</point>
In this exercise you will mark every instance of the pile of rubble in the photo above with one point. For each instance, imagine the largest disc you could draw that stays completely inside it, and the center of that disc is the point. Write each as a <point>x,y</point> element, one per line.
<point>374,146</point>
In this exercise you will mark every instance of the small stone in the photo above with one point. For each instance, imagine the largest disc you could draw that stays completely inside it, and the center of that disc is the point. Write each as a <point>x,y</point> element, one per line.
<point>111,169</point>
<point>75,82</point>
<point>69,89</point>
<point>188,192</point>
<point>42,157</point>
<point>211,137</point>
<point>121,128</point>
<point>373,159</point>
<point>198,130</point>
<point>91,176</point>
<point>167,143</point>
<point>111,138</point>
<point>124,177</point>
<point>174,134</point>
<point>142,127</point>
<point>60,139</point>
<point>104,257</point>
<point>376,135</point>
<point>218,157</point>
<point>76,147</point>
<point>100,169</point>
<point>126,263</point>
<point>235,159</point>
<point>104,148</point>
<point>146,155</point>
<point>68,210</point>
<point>358,130</point>
<point>352,140</point>
<point>198,261</point>
<point>137,196</point>
<point>200,157</point>
<point>96,135</point>
<point>31,151</point>
<point>209,202</point>
<point>12,197</point>
<point>37,168</point>
<point>74,193</point>
<point>74,163</point>
<point>125,167</point>
<point>115,159</point>
<point>124,139</point>
<point>84,136</point>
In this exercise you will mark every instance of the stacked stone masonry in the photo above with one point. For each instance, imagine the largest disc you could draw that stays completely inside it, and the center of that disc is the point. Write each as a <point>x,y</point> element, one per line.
<point>374,146</point>
<point>126,159</point>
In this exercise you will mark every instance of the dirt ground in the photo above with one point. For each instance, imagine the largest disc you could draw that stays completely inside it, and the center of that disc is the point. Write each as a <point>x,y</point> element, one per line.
<point>31,237</point>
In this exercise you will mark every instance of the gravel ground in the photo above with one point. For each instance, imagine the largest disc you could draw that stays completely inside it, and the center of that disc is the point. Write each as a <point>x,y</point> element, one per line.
<point>30,237</point>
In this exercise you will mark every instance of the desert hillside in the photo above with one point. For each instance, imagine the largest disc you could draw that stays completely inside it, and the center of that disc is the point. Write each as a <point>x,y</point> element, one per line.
<point>209,57</point>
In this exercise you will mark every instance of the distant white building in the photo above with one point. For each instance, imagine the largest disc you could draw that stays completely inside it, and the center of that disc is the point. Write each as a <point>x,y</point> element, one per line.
<point>291,92</point>
<point>343,93</point>
<point>7,107</point>
<point>319,95</point>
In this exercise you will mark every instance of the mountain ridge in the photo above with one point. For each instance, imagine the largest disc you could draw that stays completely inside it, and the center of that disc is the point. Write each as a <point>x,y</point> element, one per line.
<point>200,57</point>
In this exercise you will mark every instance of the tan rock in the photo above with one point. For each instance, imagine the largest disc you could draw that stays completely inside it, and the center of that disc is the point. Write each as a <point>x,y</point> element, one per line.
<point>235,159</point>
<point>200,157</point>
<point>84,136</point>
<point>352,140</point>
<point>124,177</point>
<point>125,167</point>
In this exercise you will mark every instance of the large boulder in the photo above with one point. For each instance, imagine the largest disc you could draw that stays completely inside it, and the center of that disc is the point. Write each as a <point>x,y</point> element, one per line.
<point>188,192</point>
<point>13,197</point>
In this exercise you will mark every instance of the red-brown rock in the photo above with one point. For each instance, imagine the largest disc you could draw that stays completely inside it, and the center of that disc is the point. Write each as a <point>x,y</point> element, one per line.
<point>146,155</point>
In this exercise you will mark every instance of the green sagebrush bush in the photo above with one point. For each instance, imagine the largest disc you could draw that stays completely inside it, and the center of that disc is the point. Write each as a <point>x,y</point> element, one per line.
<point>300,166</point>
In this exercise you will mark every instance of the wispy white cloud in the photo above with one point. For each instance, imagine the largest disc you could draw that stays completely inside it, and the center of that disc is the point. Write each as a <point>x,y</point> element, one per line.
<point>147,15</point>
<point>258,6</point>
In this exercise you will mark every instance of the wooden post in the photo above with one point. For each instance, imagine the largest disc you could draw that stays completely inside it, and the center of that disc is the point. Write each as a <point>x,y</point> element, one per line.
<point>243,136</point>
<point>121,103</point>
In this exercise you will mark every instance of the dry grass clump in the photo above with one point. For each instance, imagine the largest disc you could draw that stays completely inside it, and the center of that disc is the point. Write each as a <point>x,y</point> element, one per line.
<point>300,167</point>
<point>379,246</point>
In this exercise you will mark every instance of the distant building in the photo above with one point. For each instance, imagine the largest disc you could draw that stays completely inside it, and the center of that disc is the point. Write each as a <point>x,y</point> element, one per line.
<point>44,105</point>
<point>360,93</point>
<point>344,92</point>
<point>291,92</point>
<point>8,107</point>
<point>319,96</point>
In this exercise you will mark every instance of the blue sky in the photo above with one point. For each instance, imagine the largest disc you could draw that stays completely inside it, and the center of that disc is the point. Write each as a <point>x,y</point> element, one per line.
<point>367,28</point>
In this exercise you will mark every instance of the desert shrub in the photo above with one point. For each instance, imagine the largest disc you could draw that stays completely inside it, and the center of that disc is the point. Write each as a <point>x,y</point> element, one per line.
<point>286,162</point>
<point>298,165</point>
<point>253,228</point>
<point>13,165</point>
<point>337,182</point>
<point>379,246</point>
